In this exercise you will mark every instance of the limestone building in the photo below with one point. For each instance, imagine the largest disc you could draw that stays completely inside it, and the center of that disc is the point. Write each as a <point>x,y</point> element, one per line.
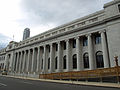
<point>2,59</point>
<point>88,43</point>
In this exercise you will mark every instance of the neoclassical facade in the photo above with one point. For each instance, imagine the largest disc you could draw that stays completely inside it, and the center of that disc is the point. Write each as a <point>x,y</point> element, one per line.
<point>87,43</point>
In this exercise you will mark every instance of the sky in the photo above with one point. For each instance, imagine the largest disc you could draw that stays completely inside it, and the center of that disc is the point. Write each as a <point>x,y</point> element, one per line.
<point>41,15</point>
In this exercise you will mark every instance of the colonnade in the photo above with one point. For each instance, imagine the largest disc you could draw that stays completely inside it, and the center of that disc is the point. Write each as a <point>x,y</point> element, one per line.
<point>35,59</point>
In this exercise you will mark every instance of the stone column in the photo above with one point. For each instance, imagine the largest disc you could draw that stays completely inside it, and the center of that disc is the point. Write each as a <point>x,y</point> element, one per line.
<point>17,65</point>
<point>33,59</point>
<point>105,50</point>
<point>91,52</point>
<point>51,58</point>
<point>16,55</point>
<point>6,62</point>
<point>28,61</point>
<point>24,60</point>
<point>38,60</point>
<point>44,60</point>
<point>79,54</point>
<point>14,62</point>
<point>59,57</point>
<point>20,62</point>
<point>68,56</point>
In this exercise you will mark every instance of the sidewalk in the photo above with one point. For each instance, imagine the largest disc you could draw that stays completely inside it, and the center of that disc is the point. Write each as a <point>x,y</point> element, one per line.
<point>99,84</point>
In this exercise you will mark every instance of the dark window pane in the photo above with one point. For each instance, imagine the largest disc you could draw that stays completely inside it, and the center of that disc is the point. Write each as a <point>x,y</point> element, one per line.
<point>42,64</point>
<point>56,63</point>
<point>85,41</point>
<point>99,59</point>
<point>119,7</point>
<point>97,39</point>
<point>86,60</point>
<point>49,48</point>
<point>64,45</point>
<point>75,61</point>
<point>64,62</point>
<point>56,47</point>
<point>48,63</point>
<point>74,43</point>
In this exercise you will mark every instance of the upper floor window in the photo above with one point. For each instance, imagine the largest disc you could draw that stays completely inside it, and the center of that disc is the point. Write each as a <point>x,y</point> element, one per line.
<point>97,39</point>
<point>85,41</point>
<point>64,45</point>
<point>49,48</point>
<point>56,47</point>
<point>119,7</point>
<point>74,43</point>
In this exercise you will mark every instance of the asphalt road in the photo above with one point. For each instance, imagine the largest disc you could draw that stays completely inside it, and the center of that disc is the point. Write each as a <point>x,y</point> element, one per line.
<point>7,83</point>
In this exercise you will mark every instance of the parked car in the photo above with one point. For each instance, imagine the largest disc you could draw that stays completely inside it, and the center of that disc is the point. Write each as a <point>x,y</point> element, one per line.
<point>4,72</point>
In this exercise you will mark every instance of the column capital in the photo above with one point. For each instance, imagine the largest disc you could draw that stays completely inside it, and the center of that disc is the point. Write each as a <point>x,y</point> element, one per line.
<point>67,40</point>
<point>51,44</point>
<point>44,46</point>
<point>89,34</point>
<point>77,37</point>
<point>58,42</point>
<point>102,31</point>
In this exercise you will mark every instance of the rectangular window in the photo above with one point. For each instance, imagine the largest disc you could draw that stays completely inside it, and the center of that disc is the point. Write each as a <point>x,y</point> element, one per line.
<point>74,43</point>
<point>48,63</point>
<point>97,39</point>
<point>42,64</point>
<point>56,47</point>
<point>56,61</point>
<point>49,48</point>
<point>85,41</point>
<point>119,7</point>
<point>64,45</point>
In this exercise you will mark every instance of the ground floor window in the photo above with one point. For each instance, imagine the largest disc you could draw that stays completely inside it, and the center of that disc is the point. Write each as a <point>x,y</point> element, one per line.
<point>64,62</point>
<point>99,59</point>
<point>86,60</point>
<point>74,61</point>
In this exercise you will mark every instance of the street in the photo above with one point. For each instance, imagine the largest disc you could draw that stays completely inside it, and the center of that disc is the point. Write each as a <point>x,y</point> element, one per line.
<point>7,83</point>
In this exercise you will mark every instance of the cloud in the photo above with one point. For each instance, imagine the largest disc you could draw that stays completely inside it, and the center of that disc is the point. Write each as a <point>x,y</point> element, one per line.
<point>58,11</point>
<point>4,40</point>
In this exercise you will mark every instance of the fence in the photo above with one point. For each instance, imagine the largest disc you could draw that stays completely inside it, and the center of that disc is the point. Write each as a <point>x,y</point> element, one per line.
<point>87,74</point>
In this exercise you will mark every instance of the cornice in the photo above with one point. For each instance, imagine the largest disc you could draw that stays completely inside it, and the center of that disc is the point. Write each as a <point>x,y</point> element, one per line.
<point>111,3</point>
<point>71,31</point>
